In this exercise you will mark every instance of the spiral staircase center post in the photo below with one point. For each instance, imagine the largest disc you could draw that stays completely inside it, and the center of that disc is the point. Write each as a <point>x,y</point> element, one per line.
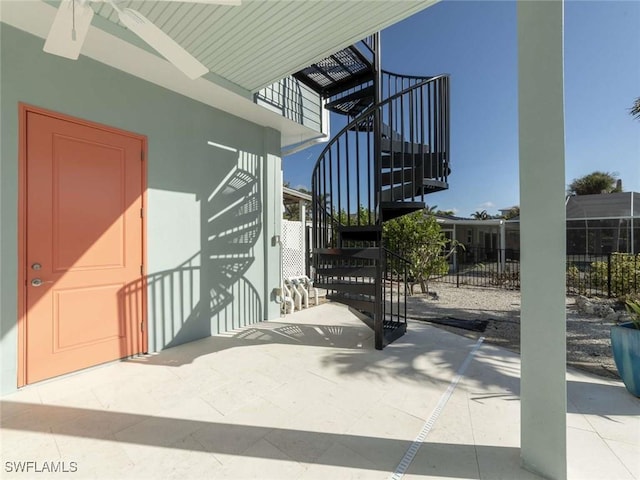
<point>377,158</point>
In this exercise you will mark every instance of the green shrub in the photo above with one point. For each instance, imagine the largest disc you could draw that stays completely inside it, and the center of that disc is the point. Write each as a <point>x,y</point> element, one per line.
<point>418,238</point>
<point>574,281</point>
<point>625,274</point>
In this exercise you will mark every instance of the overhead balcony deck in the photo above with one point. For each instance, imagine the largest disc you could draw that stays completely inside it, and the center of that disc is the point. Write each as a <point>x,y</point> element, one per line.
<point>341,71</point>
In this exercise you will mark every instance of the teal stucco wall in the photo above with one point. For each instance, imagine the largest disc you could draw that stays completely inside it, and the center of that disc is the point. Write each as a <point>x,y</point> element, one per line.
<point>211,211</point>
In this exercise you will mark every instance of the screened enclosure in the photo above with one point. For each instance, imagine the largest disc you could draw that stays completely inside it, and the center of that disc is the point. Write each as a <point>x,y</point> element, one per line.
<point>596,224</point>
<point>605,223</point>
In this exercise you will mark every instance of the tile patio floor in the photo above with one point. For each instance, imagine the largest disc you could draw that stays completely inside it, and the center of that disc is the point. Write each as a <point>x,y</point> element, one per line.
<point>304,398</point>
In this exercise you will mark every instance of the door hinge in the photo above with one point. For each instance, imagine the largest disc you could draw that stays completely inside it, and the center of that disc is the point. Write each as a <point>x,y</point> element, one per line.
<point>142,213</point>
<point>142,326</point>
<point>142,155</point>
<point>141,269</point>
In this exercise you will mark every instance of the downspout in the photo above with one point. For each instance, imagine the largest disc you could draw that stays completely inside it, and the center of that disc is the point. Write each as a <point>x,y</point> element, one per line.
<point>322,138</point>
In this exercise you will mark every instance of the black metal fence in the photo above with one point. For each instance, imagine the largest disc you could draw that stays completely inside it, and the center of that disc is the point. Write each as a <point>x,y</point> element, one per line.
<point>394,285</point>
<point>610,274</point>
<point>483,267</point>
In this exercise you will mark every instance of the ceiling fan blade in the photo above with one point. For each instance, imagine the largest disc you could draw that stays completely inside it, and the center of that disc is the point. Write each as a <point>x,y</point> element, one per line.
<point>163,43</point>
<point>205,2</point>
<point>61,39</point>
<point>214,2</point>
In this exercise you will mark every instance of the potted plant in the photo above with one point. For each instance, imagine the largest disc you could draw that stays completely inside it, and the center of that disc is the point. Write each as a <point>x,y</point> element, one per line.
<point>625,343</point>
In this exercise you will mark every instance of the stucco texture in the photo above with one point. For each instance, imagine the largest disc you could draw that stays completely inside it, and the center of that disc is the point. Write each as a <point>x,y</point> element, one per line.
<point>211,211</point>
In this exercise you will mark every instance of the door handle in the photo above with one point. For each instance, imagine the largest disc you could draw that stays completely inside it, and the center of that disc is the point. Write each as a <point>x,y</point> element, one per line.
<point>36,282</point>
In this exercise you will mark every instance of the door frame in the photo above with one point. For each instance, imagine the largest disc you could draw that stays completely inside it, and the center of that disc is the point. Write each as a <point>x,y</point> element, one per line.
<point>23,110</point>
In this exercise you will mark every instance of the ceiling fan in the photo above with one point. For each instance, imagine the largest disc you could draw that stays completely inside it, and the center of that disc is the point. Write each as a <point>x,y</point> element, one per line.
<point>72,21</point>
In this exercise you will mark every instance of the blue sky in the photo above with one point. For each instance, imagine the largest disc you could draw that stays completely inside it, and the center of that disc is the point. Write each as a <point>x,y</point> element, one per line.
<point>475,42</point>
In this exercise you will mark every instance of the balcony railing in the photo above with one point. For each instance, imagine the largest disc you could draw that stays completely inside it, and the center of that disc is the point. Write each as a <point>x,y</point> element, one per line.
<point>293,100</point>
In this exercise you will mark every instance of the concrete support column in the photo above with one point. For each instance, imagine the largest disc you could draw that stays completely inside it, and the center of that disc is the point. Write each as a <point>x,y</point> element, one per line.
<point>543,232</point>
<point>303,212</point>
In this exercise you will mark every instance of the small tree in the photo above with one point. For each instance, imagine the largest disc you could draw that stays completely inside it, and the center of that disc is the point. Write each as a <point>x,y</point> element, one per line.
<point>419,239</point>
<point>512,213</point>
<point>364,216</point>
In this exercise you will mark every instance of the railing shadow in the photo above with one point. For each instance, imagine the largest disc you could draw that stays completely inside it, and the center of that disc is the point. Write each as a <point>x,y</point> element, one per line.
<point>309,335</point>
<point>213,290</point>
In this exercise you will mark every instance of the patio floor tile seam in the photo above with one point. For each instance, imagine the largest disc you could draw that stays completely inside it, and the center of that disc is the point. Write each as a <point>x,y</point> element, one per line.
<point>597,431</point>
<point>622,460</point>
<point>286,456</point>
<point>442,405</point>
<point>55,442</point>
<point>590,430</point>
<point>202,446</point>
<point>615,454</point>
<point>606,439</point>
<point>385,465</point>
<point>466,394</point>
<point>420,418</point>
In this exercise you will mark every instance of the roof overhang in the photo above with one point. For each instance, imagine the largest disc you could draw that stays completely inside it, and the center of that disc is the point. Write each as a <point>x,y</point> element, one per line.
<point>290,194</point>
<point>493,222</point>
<point>246,47</point>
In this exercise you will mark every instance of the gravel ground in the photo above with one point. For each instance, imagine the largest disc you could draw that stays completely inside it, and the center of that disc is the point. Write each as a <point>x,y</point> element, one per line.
<point>588,344</point>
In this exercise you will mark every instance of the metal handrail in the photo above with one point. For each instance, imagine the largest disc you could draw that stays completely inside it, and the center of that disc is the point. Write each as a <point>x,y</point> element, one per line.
<point>399,257</point>
<point>371,110</point>
<point>411,77</point>
<point>354,124</point>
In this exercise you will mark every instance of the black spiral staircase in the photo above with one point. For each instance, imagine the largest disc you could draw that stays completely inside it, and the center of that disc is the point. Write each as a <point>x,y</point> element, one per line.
<point>393,150</point>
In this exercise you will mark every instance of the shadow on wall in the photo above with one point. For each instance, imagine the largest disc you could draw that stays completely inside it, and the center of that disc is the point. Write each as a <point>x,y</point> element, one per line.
<point>209,293</point>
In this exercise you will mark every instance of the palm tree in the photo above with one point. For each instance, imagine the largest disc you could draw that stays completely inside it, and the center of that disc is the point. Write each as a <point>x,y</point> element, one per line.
<point>430,210</point>
<point>445,213</point>
<point>594,183</point>
<point>635,109</point>
<point>480,215</point>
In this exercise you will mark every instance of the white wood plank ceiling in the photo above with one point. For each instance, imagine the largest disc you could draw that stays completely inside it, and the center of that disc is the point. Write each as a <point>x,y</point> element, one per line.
<point>262,41</point>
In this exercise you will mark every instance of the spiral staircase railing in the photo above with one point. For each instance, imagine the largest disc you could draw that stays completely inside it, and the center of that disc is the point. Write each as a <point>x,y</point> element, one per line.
<point>379,166</point>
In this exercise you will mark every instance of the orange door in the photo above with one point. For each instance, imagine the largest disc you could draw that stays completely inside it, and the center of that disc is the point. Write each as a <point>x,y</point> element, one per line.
<point>83,245</point>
